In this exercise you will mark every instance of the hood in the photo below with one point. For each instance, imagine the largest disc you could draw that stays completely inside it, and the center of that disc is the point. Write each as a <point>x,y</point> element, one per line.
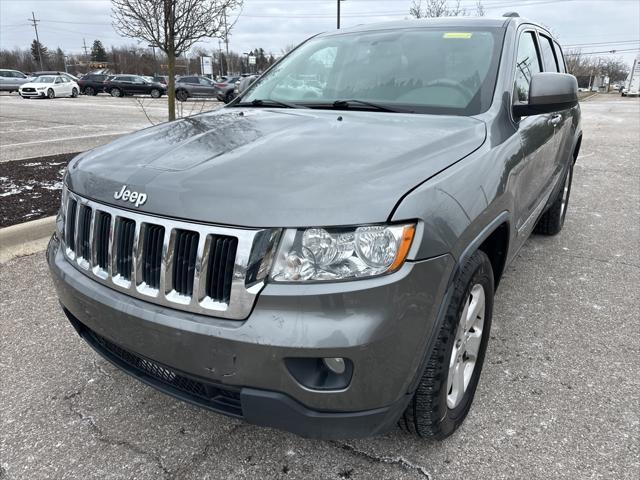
<point>276,167</point>
<point>37,84</point>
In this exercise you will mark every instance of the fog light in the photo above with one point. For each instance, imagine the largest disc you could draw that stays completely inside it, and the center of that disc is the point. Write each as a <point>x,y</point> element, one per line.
<point>336,365</point>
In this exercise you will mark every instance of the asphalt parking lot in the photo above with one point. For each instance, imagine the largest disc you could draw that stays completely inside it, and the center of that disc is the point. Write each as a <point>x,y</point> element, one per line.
<point>35,127</point>
<point>559,395</point>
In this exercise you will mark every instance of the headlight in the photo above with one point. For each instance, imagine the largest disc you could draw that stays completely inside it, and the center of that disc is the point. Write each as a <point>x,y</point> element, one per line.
<point>330,254</point>
<point>41,88</point>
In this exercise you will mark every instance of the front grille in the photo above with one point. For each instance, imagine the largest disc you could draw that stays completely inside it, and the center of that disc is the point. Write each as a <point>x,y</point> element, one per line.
<point>221,254</point>
<point>184,261</point>
<point>103,234</point>
<point>28,89</point>
<point>70,225</point>
<point>221,398</point>
<point>183,265</point>
<point>152,255</point>
<point>125,233</point>
<point>84,231</point>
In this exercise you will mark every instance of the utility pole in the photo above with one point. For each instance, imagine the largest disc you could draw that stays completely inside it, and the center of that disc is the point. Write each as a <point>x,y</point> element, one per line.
<point>35,27</point>
<point>84,46</point>
<point>338,1</point>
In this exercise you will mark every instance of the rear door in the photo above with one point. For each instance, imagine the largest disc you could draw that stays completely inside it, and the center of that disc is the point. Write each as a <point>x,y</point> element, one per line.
<point>537,137</point>
<point>205,87</point>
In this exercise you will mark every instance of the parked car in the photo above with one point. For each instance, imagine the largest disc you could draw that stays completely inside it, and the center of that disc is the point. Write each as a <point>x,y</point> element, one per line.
<point>49,86</point>
<point>195,86</point>
<point>92,83</point>
<point>244,83</point>
<point>225,88</point>
<point>121,85</point>
<point>326,263</point>
<point>10,80</point>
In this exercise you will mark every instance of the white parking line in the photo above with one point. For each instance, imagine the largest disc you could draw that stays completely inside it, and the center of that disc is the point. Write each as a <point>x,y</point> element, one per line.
<point>55,140</point>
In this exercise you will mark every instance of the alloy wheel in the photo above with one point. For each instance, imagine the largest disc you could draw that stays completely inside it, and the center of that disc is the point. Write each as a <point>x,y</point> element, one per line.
<point>466,347</point>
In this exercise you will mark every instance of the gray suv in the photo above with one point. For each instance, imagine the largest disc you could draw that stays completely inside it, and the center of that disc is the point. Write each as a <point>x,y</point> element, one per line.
<point>321,255</point>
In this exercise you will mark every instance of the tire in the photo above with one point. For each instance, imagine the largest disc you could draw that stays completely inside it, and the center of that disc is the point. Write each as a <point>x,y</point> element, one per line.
<point>74,93</point>
<point>438,408</point>
<point>228,97</point>
<point>89,91</point>
<point>552,221</point>
<point>182,95</point>
<point>51,94</point>
<point>116,92</point>
<point>155,93</point>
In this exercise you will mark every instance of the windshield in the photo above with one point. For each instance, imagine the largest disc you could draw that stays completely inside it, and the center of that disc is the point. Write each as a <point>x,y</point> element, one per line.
<point>44,79</point>
<point>424,70</point>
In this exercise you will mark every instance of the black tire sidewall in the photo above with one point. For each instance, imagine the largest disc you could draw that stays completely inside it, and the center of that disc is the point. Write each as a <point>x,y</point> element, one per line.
<point>155,93</point>
<point>480,273</point>
<point>74,92</point>
<point>116,91</point>
<point>182,95</point>
<point>51,94</point>
<point>566,204</point>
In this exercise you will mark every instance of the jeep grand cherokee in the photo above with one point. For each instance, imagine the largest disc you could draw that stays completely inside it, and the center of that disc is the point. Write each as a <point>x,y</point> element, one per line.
<point>321,255</point>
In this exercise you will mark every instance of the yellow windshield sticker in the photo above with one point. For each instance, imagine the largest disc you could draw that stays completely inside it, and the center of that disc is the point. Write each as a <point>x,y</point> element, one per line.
<point>457,35</point>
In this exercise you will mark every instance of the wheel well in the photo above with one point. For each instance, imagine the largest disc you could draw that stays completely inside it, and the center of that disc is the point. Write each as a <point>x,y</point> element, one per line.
<point>496,247</point>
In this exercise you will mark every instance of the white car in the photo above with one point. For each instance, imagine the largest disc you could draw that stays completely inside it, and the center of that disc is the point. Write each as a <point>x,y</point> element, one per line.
<point>49,86</point>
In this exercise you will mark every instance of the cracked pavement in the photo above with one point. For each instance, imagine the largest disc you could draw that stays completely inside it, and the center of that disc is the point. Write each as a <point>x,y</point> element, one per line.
<point>559,395</point>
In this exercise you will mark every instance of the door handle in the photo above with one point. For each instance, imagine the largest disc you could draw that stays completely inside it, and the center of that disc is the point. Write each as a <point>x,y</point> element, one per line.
<point>555,120</point>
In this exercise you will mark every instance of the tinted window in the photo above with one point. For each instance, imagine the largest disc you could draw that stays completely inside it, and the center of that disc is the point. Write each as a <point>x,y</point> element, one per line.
<point>421,70</point>
<point>560,58</point>
<point>205,81</point>
<point>548,55</point>
<point>5,74</point>
<point>189,80</point>
<point>527,63</point>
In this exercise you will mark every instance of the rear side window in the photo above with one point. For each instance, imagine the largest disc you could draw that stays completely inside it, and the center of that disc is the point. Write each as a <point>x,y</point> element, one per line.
<point>548,55</point>
<point>527,63</point>
<point>560,58</point>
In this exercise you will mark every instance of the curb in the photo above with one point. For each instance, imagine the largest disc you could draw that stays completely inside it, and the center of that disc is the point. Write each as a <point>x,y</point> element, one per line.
<point>25,238</point>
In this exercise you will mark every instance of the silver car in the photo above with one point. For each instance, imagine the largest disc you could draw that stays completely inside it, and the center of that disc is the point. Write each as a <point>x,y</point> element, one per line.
<point>10,80</point>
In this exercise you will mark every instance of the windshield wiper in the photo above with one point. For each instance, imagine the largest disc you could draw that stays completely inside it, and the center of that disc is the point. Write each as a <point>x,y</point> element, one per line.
<point>347,104</point>
<point>269,102</point>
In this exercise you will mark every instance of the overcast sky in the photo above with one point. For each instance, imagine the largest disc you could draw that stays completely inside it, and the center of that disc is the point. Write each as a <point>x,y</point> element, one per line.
<point>593,25</point>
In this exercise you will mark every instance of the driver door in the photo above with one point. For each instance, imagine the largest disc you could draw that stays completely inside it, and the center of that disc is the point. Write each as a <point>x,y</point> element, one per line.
<point>537,140</point>
<point>58,87</point>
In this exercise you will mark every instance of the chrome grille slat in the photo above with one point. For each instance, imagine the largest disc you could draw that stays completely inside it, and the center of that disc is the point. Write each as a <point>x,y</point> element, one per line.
<point>183,265</point>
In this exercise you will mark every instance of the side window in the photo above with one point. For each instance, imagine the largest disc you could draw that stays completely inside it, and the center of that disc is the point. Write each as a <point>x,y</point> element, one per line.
<point>4,74</point>
<point>548,55</point>
<point>527,63</point>
<point>205,82</point>
<point>560,58</point>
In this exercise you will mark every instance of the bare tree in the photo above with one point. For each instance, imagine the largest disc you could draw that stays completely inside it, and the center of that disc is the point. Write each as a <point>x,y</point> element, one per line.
<point>441,8</point>
<point>173,26</point>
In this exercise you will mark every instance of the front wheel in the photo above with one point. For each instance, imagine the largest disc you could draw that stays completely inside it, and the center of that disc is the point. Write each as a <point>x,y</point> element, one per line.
<point>116,92</point>
<point>89,91</point>
<point>51,94</point>
<point>155,93</point>
<point>447,387</point>
<point>74,93</point>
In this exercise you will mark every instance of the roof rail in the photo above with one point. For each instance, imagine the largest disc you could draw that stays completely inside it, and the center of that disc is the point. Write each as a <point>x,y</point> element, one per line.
<point>511,14</point>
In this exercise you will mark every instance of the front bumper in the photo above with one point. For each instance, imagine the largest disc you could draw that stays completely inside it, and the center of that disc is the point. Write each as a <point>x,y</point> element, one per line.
<point>381,325</point>
<point>41,94</point>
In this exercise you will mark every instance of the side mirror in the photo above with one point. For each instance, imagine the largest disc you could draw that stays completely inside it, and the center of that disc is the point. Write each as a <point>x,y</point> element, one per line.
<point>549,92</point>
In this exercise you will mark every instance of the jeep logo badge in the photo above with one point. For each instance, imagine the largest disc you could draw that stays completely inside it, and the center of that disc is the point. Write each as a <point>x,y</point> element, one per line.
<point>128,196</point>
